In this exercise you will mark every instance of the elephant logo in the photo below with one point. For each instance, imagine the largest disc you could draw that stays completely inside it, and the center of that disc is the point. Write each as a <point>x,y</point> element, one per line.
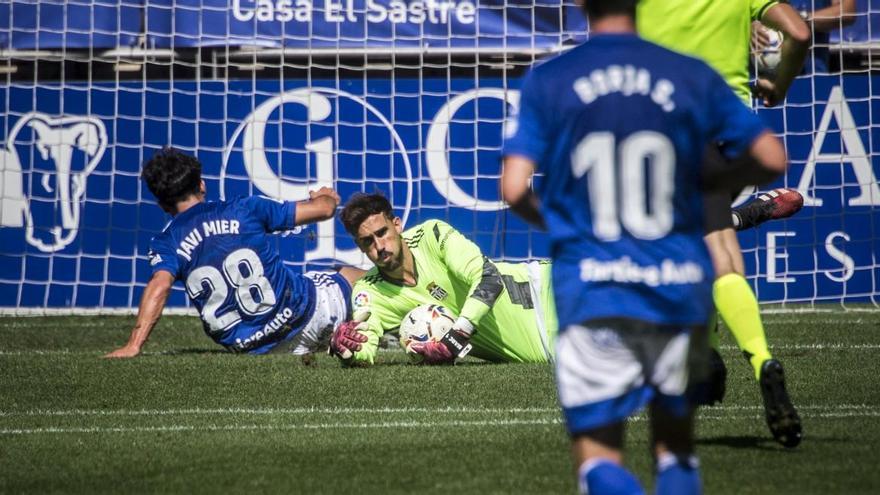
<point>59,154</point>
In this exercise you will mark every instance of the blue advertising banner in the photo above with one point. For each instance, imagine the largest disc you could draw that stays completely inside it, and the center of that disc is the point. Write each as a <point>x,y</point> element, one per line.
<point>56,24</point>
<point>866,27</point>
<point>315,24</point>
<point>295,24</point>
<point>76,220</point>
<point>339,24</point>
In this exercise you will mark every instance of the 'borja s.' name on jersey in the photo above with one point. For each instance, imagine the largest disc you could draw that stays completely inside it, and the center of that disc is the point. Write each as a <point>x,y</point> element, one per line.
<point>627,80</point>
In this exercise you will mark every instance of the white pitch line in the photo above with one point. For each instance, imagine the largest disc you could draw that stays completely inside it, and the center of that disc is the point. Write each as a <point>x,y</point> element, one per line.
<point>787,321</point>
<point>792,347</point>
<point>812,416</point>
<point>316,426</point>
<point>43,352</point>
<point>364,426</point>
<point>270,410</point>
<point>835,311</point>
<point>815,347</point>
<point>368,410</point>
<point>801,407</point>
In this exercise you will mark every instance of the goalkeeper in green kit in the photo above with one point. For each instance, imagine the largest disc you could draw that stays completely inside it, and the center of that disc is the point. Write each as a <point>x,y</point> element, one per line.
<point>506,311</point>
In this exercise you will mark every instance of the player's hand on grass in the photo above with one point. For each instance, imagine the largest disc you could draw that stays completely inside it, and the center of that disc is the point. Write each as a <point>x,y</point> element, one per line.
<point>347,338</point>
<point>124,352</point>
<point>432,352</point>
<point>767,91</point>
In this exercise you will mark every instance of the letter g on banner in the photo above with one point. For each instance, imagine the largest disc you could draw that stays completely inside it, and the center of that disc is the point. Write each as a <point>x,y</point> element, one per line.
<point>323,170</point>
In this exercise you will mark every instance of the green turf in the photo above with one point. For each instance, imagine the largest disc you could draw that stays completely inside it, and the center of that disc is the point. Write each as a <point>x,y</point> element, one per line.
<point>185,417</point>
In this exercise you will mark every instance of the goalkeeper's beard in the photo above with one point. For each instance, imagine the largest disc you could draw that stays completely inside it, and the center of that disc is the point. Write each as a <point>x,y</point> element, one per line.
<point>391,263</point>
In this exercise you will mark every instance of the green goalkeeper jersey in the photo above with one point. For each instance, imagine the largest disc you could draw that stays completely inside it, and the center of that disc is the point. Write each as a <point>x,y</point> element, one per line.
<point>715,31</point>
<point>510,304</point>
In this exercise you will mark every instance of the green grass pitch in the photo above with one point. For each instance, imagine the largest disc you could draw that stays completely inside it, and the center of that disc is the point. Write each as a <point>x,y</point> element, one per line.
<point>187,418</point>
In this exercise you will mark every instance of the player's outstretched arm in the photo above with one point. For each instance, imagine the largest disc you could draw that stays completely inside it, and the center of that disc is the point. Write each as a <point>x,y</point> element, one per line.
<point>465,261</point>
<point>795,45</point>
<point>149,312</point>
<point>516,190</point>
<point>320,206</point>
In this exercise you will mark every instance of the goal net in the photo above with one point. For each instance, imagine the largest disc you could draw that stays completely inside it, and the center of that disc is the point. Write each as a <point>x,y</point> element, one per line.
<point>277,97</point>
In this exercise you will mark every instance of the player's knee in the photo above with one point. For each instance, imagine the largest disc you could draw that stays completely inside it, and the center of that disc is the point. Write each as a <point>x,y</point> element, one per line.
<point>723,255</point>
<point>723,264</point>
<point>671,432</point>
<point>604,442</point>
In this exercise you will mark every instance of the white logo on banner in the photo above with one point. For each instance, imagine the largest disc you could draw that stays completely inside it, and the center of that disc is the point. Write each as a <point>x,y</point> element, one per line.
<point>271,184</point>
<point>852,153</point>
<point>317,101</point>
<point>437,149</point>
<point>56,140</point>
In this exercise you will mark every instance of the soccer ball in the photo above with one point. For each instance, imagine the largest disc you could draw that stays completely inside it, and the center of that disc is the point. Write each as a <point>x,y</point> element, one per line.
<point>768,58</point>
<point>428,322</point>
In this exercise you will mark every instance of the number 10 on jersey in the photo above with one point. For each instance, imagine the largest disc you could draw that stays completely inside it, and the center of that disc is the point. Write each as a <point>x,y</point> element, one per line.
<point>617,175</point>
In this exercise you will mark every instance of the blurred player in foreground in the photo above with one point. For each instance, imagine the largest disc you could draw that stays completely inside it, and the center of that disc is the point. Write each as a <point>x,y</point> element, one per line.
<point>618,126</point>
<point>505,310</point>
<point>222,252</point>
<point>718,33</point>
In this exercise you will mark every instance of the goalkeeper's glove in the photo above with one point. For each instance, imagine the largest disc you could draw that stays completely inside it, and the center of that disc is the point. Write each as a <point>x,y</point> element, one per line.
<point>347,338</point>
<point>455,344</point>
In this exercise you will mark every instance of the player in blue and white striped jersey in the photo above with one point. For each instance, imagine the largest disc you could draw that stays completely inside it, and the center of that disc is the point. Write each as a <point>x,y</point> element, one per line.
<point>221,251</point>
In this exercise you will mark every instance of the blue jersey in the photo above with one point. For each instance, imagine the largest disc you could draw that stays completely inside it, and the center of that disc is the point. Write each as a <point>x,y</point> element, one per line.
<point>618,127</point>
<point>248,300</point>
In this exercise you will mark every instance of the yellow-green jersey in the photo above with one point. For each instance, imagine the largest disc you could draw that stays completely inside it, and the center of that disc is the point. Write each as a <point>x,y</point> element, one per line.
<point>715,31</point>
<point>510,304</point>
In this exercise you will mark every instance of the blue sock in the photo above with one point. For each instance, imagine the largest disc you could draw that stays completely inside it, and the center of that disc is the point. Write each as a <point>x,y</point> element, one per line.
<point>678,475</point>
<point>603,477</point>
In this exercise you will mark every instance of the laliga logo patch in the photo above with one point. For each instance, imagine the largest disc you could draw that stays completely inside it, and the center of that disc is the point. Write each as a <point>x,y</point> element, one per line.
<point>66,150</point>
<point>361,300</point>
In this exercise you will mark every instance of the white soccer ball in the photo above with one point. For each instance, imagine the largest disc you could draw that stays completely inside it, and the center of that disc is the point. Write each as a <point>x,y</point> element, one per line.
<point>768,58</point>
<point>428,322</point>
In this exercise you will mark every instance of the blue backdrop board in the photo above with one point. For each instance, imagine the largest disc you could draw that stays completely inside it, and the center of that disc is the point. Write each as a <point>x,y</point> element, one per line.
<point>60,24</point>
<point>77,220</point>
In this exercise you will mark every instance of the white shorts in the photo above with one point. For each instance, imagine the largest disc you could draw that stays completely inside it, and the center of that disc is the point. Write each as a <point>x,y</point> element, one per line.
<point>610,370</point>
<point>332,296</point>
